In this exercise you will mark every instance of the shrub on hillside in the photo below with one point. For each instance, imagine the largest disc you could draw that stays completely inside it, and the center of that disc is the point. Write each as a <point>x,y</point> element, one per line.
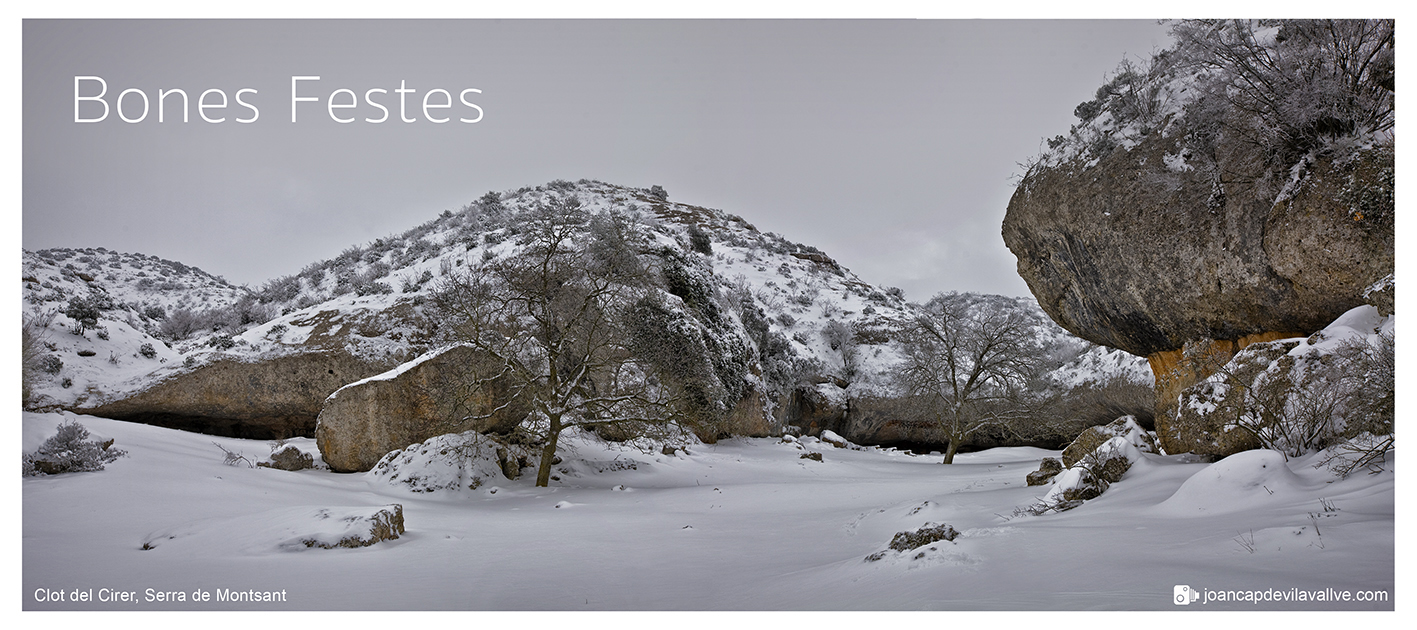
<point>84,312</point>
<point>180,324</point>
<point>699,240</point>
<point>70,450</point>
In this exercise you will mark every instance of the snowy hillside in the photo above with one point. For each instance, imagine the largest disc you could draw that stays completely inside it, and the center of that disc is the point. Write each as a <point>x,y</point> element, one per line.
<point>156,319</point>
<point>745,524</point>
<point>1099,364</point>
<point>126,299</point>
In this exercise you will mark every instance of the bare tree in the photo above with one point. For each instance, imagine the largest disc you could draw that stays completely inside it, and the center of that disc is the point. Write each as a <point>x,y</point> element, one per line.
<point>33,331</point>
<point>842,339</point>
<point>967,367</point>
<point>548,323</point>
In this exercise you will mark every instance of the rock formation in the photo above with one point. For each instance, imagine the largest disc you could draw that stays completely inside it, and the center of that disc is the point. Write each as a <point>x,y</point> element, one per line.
<point>268,399</point>
<point>1153,233</point>
<point>290,459</point>
<point>352,528</point>
<point>1118,260</point>
<point>365,420</point>
<point>431,396</point>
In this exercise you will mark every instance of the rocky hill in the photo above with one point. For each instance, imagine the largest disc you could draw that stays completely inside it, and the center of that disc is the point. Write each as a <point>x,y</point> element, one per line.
<point>176,347</point>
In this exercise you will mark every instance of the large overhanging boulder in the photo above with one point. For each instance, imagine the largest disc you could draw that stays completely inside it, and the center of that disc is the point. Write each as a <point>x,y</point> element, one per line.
<point>266,384</point>
<point>1132,255</point>
<point>255,398</point>
<point>1127,252</point>
<point>1236,188</point>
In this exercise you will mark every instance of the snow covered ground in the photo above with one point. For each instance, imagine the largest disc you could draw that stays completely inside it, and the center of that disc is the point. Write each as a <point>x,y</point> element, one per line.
<point>745,524</point>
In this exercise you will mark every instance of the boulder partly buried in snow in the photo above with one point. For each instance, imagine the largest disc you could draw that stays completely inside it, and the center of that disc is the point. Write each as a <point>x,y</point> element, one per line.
<point>833,439</point>
<point>1047,469</point>
<point>283,530</point>
<point>289,458</point>
<point>1093,437</point>
<point>457,461</point>
<point>908,541</point>
<point>353,527</point>
<point>1235,483</point>
<point>1075,484</point>
<point>1093,473</point>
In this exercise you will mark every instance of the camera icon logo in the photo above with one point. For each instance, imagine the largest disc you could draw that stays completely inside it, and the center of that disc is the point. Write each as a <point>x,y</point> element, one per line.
<point>1183,595</point>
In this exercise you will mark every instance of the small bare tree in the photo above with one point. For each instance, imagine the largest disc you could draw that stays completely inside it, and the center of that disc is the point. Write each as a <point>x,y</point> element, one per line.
<point>842,339</point>
<point>33,331</point>
<point>548,323</point>
<point>967,367</point>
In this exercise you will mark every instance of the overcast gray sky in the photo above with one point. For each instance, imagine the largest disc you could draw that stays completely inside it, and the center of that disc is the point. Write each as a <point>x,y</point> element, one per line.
<point>888,144</point>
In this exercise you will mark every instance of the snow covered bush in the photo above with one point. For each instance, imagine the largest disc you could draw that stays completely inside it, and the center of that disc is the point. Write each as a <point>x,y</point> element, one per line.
<point>1367,435</point>
<point>456,461</point>
<point>279,290</point>
<point>32,333</point>
<point>699,240</point>
<point>70,450</point>
<point>84,312</point>
<point>180,324</point>
<point>842,339</point>
<point>50,364</point>
<point>1298,82</point>
<point>1294,89</point>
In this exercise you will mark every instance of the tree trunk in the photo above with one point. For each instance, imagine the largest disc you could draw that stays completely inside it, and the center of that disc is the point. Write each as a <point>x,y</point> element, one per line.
<point>950,451</point>
<point>548,453</point>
